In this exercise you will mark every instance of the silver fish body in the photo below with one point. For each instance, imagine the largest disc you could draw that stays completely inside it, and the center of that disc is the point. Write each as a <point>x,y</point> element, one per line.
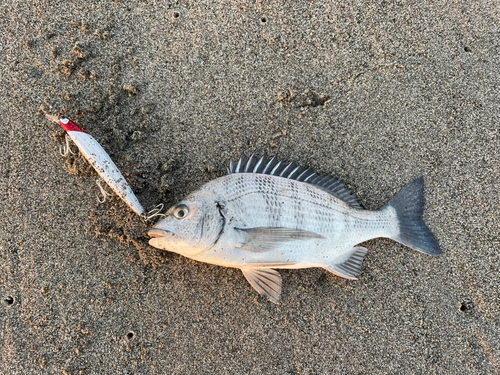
<point>265,215</point>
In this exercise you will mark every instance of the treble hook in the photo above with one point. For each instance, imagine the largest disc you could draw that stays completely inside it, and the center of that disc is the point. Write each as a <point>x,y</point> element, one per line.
<point>104,193</point>
<point>66,149</point>
<point>154,212</point>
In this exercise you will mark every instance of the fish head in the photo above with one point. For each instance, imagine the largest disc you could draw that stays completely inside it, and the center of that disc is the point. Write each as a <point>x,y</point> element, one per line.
<point>189,227</point>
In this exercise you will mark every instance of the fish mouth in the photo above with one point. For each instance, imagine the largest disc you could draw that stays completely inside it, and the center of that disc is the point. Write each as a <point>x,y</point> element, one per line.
<point>159,233</point>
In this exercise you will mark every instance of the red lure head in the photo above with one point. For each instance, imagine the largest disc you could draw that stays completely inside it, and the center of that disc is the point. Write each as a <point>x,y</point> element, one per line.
<point>69,125</point>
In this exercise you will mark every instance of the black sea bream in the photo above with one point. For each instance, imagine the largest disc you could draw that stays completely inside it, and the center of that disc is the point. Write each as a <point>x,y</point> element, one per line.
<point>265,215</point>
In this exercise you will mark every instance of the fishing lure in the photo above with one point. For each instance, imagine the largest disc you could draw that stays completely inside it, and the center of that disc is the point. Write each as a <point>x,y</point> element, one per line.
<point>100,160</point>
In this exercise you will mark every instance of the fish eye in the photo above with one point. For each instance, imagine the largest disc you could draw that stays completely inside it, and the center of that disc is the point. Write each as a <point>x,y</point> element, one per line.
<point>181,211</point>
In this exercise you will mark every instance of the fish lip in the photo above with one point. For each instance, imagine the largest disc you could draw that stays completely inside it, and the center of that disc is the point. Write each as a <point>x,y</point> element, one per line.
<point>159,233</point>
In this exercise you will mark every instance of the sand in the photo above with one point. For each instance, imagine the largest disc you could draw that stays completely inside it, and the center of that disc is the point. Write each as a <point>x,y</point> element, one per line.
<point>376,94</point>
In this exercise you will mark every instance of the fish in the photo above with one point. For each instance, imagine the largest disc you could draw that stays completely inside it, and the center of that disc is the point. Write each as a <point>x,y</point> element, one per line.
<point>93,152</point>
<point>266,215</point>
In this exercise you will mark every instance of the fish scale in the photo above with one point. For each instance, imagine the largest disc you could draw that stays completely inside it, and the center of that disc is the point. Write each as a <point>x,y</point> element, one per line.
<point>266,215</point>
<point>283,208</point>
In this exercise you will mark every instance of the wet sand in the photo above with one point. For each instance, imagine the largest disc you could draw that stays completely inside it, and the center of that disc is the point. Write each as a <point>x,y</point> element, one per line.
<point>375,94</point>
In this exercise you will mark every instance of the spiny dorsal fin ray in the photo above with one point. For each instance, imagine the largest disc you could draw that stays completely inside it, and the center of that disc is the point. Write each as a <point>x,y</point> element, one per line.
<point>270,165</point>
<point>252,161</point>
<point>292,171</point>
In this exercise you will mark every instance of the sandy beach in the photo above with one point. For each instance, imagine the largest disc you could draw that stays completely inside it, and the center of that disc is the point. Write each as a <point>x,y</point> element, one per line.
<point>376,94</point>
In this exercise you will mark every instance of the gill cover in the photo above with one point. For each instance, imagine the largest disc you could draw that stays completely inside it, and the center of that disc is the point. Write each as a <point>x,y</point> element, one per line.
<point>190,227</point>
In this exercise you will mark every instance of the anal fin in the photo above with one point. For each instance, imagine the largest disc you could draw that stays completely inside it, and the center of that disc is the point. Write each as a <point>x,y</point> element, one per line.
<point>265,281</point>
<point>351,267</point>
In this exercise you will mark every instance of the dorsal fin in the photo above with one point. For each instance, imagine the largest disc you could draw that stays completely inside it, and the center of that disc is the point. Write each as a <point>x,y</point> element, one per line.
<point>275,167</point>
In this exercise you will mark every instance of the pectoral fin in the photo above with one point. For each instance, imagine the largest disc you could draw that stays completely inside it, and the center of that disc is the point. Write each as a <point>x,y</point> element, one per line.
<point>262,239</point>
<point>352,266</point>
<point>265,281</point>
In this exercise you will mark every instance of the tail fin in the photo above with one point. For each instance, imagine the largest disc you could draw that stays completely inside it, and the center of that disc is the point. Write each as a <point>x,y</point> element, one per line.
<point>409,205</point>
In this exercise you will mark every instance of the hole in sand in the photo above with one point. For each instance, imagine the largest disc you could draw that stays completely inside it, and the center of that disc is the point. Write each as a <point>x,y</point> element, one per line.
<point>263,20</point>
<point>130,335</point>
<point>177,14</point>
<point>466,306</point>
<point>9,300</point>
